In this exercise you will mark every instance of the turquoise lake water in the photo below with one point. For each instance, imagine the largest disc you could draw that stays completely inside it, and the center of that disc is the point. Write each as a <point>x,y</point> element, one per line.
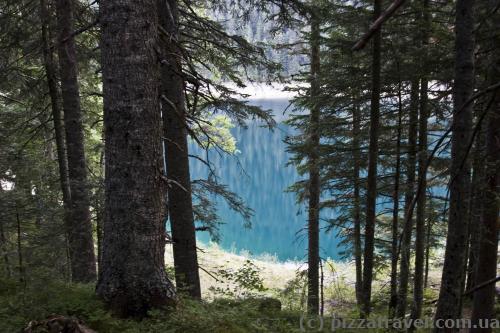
<point>258,174</point>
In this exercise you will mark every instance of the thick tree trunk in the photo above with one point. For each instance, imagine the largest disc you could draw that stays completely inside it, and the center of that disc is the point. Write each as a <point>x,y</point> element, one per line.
<point>81,245</point>
<point>356,148</point>
<point>450,295</point>
<point>404,268</point>
<point>372,168</point>
<point>484,298</point>
<point>314,179</point>
<point>395,212</point>
<point>133,277</point>
<point>177,159</point>
<point>486,269</point>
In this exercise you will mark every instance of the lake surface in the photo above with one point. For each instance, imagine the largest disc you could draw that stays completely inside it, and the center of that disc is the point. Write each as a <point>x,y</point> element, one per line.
<point>259,175</point>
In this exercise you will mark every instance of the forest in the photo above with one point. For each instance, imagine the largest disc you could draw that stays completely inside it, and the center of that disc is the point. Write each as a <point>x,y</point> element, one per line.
<point>234,166</point>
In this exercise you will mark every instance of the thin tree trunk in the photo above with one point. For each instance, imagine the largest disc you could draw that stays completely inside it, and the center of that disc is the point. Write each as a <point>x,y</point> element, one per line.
<point>418,279</point>
<point>83,265</point>
<point>173,105</point>
<point>372,168</point>
<point>356,129</point>
<point>486,269</point>
<point>20,262</point>
<point>133,278</point>
<point>322,289</point>
<point>404,269</point>
<point>314,180</point>
<point>450,295</point>
<point>420,232</point>
<point>427,252</point>
<point>476,205</point>
<point>395,212</point>
<point>3,240</point>
<point>99,216</point>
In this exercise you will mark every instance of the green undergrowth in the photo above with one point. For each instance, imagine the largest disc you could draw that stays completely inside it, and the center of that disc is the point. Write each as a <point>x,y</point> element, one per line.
<point>21,303</point>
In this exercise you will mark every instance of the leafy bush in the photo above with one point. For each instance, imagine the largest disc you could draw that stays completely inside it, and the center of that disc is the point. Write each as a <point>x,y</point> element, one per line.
<point>240,283</point>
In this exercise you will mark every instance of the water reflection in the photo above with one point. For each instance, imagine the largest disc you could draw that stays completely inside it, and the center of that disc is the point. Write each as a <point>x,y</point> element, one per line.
<point>260,176</point>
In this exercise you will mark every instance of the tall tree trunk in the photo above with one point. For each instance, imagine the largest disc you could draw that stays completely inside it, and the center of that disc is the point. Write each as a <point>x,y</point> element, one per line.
<point>356,148</point>
<point>314,179</point>
<point>81,245</point>
<point>133,278</point>
<point>450,295</point>
<point>177,159</point>
<point>395,211</point>
<point>404,268</point>
<point>62,159</point>
<point>372,168</point>
<point>420,232</point>
<point>486,269</point>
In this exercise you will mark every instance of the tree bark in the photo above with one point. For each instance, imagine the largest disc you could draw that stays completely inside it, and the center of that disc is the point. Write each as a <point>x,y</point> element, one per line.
<point>484,298</point>
<point>133,278</point>
<point>372,167</point>
<point>404,264</point>
<point>448,306</point>
<point>314,178</point>
<point>80,241</point>
<point>177,159</point>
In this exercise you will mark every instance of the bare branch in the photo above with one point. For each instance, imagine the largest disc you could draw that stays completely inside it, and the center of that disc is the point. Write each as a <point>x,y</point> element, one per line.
<point>378,24</point>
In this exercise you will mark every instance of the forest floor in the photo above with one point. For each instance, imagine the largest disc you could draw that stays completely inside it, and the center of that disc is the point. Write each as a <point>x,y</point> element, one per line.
<point>222,312</point>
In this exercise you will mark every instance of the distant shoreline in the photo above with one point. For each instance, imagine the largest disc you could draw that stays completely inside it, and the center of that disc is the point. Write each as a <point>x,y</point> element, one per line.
<point>262,91</point>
